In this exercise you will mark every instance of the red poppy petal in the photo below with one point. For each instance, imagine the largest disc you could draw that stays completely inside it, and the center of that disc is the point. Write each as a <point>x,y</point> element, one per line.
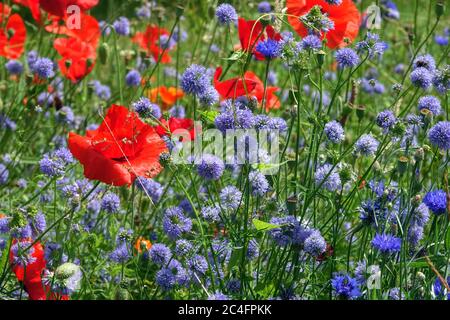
<point>96,166</point>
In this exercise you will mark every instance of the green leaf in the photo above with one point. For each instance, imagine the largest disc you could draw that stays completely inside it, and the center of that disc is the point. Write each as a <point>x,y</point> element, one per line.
<point>209,116</point>
<point>264,226</point>
<point>236,257</point>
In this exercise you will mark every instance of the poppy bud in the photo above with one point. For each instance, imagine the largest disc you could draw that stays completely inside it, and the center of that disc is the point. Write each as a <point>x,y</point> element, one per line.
<point>179,10</point>
<point>291,204</point>
<point>402,164</point>
<point>440,8</point>
<point>419,155</point>
<point>320,57</point>
<point>265,20</point>
<point>416,200</point>
<point>103,53</point>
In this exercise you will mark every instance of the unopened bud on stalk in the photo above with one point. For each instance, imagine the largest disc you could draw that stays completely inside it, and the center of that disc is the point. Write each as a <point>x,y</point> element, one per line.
<point>320,58</point>
<point>103,53</point>
<point>402,164</point>
<point>440,8</point>
<point>419,155</point>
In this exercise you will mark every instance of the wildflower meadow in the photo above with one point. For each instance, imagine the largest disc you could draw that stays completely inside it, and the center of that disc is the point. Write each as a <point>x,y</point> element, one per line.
<point>224,150</point>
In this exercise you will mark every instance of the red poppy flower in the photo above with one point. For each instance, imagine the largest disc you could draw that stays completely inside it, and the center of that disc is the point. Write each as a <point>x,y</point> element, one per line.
<point>149,41</point>
<point>78,58</point>
<point>168,96</point>
<point>250,86</point>
<point>33,5</point>
<point>251,32</point>
<point>59,7</point>
<point>271,100</point>
<point>89,30</point>
<point>169,127</point>
<point>345,16</point>
<point>33,269</point>
<point>122,148</point>
<point>12,35</point>
<point>233,88</point>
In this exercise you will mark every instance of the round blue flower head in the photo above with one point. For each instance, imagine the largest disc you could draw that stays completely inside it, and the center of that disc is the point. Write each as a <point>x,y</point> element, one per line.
<point>269,48</point>
<point>345,287</point>
<point>166,43</point>
<point>366,145</point>
<point>386,243</point>
<point>14,67</point>
<point>328,178</point>
<point>441,40</point>
<point>441,80</point>
<point>252,249</point>
<point>209,97</point>
<point>150,187</point>
<point>264,7</point>
<point>159,253</point>
<point>110,202</point>
<point>195,80</point>
<point>259,183</point>
<point>183,247</point>
<point>133,78</point>
<point>315,244</point>
<point>65,115</point>
<point>226,13</point>
<point>234,119</point>
<point>415,234</point>
<point>284,235</point>
<point>425,61</point>
<point>175,223</point>
<point>20,256</point>
<point>4,224</point>
<point>422,78</point>
<point>312,42</point>
<point>4,174</point>
<point>230,197</point>
<point>147,109</point>
<point>439,135</point>
<point>430,103</point>
<point>211,214</point>
<point>334,131</point>
<point>171,275</point>
<point>38,223</point>
<point>436,201</point>
<point>144,12</point>
<point>210,167</point>
<point>122,26</point>
<point>346,58</point>
<point>218,296</point>
<point>121,253</point>
<point>334,2</point>
<point>386,119</point>
<point>177,112</point>
<point>54,163</point>
<point>278,123</point>
<point>198,264</point>
<point>420,215</point>
<point>165,279</point>
<point>44,68</point>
